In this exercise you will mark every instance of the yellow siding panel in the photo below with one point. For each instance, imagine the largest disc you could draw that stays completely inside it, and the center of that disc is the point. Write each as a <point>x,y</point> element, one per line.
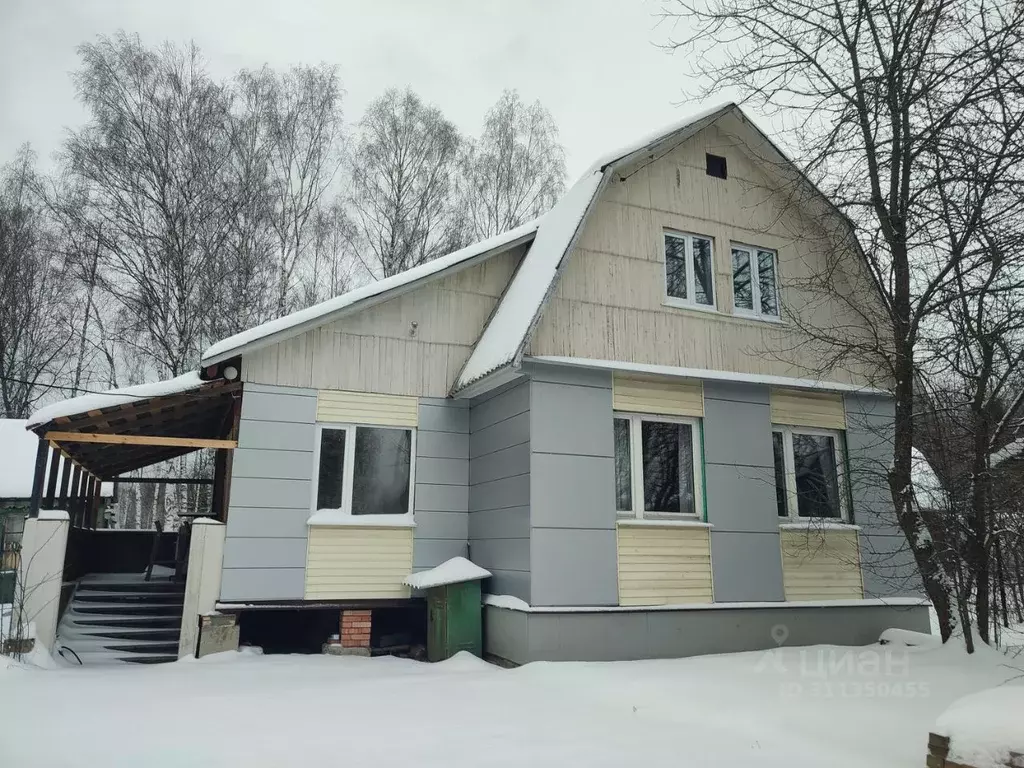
<point>349,562</point>
<point>664,565</point>
<point>805,408</point>
<point>336,405</point>
<point>821,565</point>
<point>640,394</point>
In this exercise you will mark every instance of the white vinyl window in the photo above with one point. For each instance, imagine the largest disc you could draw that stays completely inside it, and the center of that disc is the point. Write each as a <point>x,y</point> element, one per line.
<point>755,281</point>
<point>364,470</point>
<point>808,473</point>
<point>657,466</point>
<point>689,272</point>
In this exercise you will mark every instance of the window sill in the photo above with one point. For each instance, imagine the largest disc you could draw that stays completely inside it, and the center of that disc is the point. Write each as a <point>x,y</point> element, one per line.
<point>818,523</point>
<point>758,318</point>
<point>659,522</point>
<point>335,518</point>
<point>668,301</point>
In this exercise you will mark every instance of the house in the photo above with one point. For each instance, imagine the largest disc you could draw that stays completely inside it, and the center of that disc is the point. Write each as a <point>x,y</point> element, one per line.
<point>612,409</point>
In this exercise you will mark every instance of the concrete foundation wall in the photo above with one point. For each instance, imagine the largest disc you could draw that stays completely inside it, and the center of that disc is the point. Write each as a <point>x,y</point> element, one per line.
<point>521,637</point>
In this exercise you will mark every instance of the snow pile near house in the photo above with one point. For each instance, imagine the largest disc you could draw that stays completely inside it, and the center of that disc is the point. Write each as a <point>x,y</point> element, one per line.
<point>453,571</point>
<point>785,708</point>
<point>907,638</point>
<point>983,728</point>
<point>17,459</point>
<point>94,401</point>
<point>231,344</point>
<point>511,602</point>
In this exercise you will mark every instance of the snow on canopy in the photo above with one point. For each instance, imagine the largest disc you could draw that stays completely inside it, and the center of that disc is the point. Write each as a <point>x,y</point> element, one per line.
<point>320,313</point>
<point>453,571</point>
<point>17,459</point>
<point>928,490</point>
<point>508,328</point>
<point>96,400</point>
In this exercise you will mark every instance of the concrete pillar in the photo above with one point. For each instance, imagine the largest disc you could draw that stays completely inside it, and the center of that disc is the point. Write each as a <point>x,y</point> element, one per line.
<point>202,585</point>
<point>41,573</point>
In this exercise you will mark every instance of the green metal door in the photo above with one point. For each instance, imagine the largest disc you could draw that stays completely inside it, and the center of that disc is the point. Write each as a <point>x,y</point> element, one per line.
<point>464,618</point>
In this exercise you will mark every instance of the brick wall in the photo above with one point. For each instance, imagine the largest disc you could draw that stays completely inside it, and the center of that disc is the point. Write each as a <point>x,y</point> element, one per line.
<point>355,629</point>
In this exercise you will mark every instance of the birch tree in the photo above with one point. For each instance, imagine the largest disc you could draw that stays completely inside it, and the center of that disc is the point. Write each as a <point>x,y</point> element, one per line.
<point>515,171</point>
<point>403,184</point>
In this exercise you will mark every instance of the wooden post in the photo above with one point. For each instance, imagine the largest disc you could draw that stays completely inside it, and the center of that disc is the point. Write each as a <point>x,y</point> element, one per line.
<point>97,495</point>
<point>38,479</point>
<point>51,481</point>
<point>76,489</point>
<point>92,489</point>
<point>217,506</point>
<point>65,478</point>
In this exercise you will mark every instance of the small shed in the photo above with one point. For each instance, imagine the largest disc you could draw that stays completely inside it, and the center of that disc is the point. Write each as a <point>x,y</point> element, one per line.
<point>453,607</point>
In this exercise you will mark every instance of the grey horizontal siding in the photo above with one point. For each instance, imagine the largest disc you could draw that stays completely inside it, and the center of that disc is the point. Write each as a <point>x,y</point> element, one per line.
<point>499,488</point>
<point>442,475</point>
<point>271,489</point>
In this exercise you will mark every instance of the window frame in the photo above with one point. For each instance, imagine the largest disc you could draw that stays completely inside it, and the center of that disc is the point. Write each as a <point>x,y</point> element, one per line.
<point>636,467</point>
<point>789,464</point>
<point>348,468</point>
<point>691,274</point>
<point>755,283</point>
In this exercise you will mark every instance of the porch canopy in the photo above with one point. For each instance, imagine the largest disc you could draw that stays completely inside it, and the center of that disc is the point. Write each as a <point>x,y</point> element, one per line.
<point>93,438</point>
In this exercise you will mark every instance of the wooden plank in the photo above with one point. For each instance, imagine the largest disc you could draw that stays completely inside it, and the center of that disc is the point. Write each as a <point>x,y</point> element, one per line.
<point>673,397</point>
<point>806,408</point>
<point>180,442</point>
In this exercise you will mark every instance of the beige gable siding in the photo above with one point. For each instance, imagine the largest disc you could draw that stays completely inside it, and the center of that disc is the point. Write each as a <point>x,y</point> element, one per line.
<point>347,562</point>
<point>380,350</point>
<point>821,565</point>
<point>640,394</point>
<point>808,409</point>
<point>366,408</point>
<point>667,565</point>
<point>609,302</point>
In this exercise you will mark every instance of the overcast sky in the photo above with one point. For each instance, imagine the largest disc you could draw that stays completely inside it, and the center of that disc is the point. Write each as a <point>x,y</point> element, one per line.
<point>593,63</point>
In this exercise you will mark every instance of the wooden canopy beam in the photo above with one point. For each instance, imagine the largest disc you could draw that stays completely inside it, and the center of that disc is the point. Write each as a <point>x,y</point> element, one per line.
<point>177,442</point>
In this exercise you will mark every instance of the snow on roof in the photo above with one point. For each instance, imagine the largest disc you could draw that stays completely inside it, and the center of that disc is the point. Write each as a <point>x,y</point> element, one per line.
<point>319,313</point>
<point>96,400</point>
<point>17,459</point>
<point>508,328</point>
<point>453,571</point>
<point>928,490</point>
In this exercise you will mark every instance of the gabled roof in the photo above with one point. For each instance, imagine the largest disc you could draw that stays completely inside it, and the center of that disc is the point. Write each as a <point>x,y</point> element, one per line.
<point>505,336</point>
<point>305,319</point>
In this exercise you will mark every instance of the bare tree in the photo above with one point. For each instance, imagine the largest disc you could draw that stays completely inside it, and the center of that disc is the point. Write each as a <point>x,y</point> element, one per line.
<point>300,123</point>
<point>908,115</point>
<point>34,307</point>
<point>331,258</point>
<point>516,171</point>
<point>403,183</point>
<point>153,157</point>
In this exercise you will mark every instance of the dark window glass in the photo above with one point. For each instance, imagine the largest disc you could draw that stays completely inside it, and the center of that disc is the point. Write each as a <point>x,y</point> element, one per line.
<point>675,266</point>
<point>668,467</point>
<point>702,274</point>
<point>781,494</point>
<point>380,478</point>
<point>716,166</point>
<point>623,471</point>
<point>766,282</point>
<point>817,481</point>
<point>331,476</point>
<point>742,287</point>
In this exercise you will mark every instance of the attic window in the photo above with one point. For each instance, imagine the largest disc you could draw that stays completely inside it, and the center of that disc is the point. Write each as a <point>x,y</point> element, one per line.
<point>716,166</point>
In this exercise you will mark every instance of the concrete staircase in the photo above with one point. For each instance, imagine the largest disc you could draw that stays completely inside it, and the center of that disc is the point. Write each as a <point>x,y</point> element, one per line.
<point>118,618</point>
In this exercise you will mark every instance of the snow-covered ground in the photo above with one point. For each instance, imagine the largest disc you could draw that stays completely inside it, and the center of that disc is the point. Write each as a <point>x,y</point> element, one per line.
<point>792,707</point>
